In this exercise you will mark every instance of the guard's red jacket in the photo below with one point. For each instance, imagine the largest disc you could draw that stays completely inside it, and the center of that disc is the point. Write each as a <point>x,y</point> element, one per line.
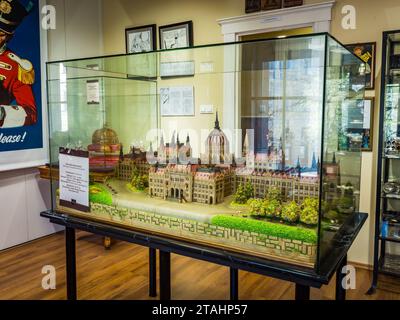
<point>16,79</point>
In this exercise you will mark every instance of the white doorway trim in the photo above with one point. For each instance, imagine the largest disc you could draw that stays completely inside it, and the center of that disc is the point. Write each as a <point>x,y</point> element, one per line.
<point>318,16</point>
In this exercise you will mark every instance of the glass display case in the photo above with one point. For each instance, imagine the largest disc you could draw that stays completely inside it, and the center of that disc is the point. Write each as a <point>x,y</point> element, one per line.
<point>387,228</point>
<point>241,146</point>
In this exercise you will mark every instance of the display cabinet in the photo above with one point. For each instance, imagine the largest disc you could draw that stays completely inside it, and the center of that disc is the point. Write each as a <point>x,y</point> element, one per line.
<point>240,146</point>
<point>387,223</point>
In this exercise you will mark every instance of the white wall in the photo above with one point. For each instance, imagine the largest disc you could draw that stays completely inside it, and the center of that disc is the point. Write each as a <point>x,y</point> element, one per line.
<point>23,195</point>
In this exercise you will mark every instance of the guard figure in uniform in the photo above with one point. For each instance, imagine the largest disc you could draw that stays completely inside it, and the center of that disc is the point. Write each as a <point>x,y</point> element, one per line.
<point>16,74</point>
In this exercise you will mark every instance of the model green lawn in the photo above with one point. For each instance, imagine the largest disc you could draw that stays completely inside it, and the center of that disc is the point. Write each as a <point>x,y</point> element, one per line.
<point>267,228</point>
<point>99,193</point>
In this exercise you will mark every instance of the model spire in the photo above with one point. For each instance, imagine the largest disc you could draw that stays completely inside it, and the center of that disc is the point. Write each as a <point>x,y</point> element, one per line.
<point>217,122</point>
<point>121,153</point>
<point>173,140</point>
<point>246,145</point>
<point>298,167</point>
<point>314,162</point>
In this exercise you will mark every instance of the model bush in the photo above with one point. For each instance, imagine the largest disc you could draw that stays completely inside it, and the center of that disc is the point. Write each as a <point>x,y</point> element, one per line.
<point>266,228</point>
<point>272,208</point>
<point>256,207</point>
<point>240,196</point>
<point>243,193</point>
<point>274,193</point>
<point>345,204</point>
<point>310,203</point>
<point>249,190</point>
<point>138,181</point>
<point>309,216</point>
<point>290,212</point>
<point>331,215</point>
<point>309,211</point>
<point>100,194</point>
<point>349,190</point>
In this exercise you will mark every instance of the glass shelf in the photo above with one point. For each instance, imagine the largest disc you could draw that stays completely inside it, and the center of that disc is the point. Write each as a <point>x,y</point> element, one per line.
<point>392,157</point>
<point>390,265</point>
<point>391,196</point>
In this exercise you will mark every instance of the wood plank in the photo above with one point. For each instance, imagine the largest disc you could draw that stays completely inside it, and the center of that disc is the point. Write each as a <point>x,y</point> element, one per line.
<point>122,273</point>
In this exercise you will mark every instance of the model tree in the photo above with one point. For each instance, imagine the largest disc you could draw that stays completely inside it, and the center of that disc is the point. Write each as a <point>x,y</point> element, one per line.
<point>291,212</point>
<point>249,191</point>
<point>309,211</point>
<point>240,195</point>
<point>138,181</point>
<point>274,193</point>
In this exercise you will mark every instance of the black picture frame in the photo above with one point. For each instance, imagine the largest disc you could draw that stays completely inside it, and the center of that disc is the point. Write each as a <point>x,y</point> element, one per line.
<point>366,51</point>
<point>137,33</point>
<point>292,3</point>
<point>177,35</point>
<point>252,6</point>
<point>267,5</point>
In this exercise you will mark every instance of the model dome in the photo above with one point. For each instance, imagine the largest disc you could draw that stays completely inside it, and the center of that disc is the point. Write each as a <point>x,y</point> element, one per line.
<point>217,145</point>
<point>105,136</point>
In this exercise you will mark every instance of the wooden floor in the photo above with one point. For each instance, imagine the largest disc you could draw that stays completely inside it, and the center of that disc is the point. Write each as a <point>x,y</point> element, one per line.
<point>122,273</point>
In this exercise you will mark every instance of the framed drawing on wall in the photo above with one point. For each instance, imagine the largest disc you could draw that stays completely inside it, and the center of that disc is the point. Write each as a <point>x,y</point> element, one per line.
<point>366,52</point>
<point>253,6</point>
<point>292,3</point>
<point>140,39</point>
<point>178,35</point>
<point>177,101</point>
<point>271,4</point>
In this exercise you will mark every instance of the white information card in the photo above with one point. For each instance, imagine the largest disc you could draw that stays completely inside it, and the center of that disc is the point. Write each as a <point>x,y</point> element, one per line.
<point>74,179</point>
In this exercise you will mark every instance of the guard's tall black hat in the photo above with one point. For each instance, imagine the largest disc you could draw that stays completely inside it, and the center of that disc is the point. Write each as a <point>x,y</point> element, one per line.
<point>12,12</point>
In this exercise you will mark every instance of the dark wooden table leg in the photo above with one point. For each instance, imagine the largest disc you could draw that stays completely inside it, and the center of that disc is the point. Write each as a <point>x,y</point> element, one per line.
<point>70,246</point>
<point>340,290</point>
<point>234,288</point>
<point>165,275</point>
<point>152,272</point>
<point>302,292</point>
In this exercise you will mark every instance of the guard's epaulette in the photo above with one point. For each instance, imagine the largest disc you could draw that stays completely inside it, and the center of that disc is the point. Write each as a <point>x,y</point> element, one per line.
<point>26,73</point>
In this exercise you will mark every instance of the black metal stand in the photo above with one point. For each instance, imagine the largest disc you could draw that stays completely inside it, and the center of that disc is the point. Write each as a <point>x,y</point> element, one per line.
<point>234,281</point>
<point>70,250</point>
<point>302,292</point>
<point>340,290</point>
<point>305,278</point>
<point>165,275</point>
<point>152,272</point>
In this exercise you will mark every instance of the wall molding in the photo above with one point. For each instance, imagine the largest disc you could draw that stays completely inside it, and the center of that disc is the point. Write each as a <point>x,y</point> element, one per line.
<point>318,16</point>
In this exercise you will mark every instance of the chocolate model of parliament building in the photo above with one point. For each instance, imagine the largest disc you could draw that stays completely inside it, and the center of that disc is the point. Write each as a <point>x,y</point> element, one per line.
<point>174,174</point>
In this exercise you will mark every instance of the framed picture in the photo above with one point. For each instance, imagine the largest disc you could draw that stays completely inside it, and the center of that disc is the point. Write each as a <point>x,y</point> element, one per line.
<point>271,4</point>
<point>368,126</point>
<point>23,117</point>
<point>360,126</point>
<point>292,3</point>
<point>253,6</point>
<point>140,39</point>
<point>178,35</point>
<point>366,52</point>
<point>177,101</point>
<point>176,69</point>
